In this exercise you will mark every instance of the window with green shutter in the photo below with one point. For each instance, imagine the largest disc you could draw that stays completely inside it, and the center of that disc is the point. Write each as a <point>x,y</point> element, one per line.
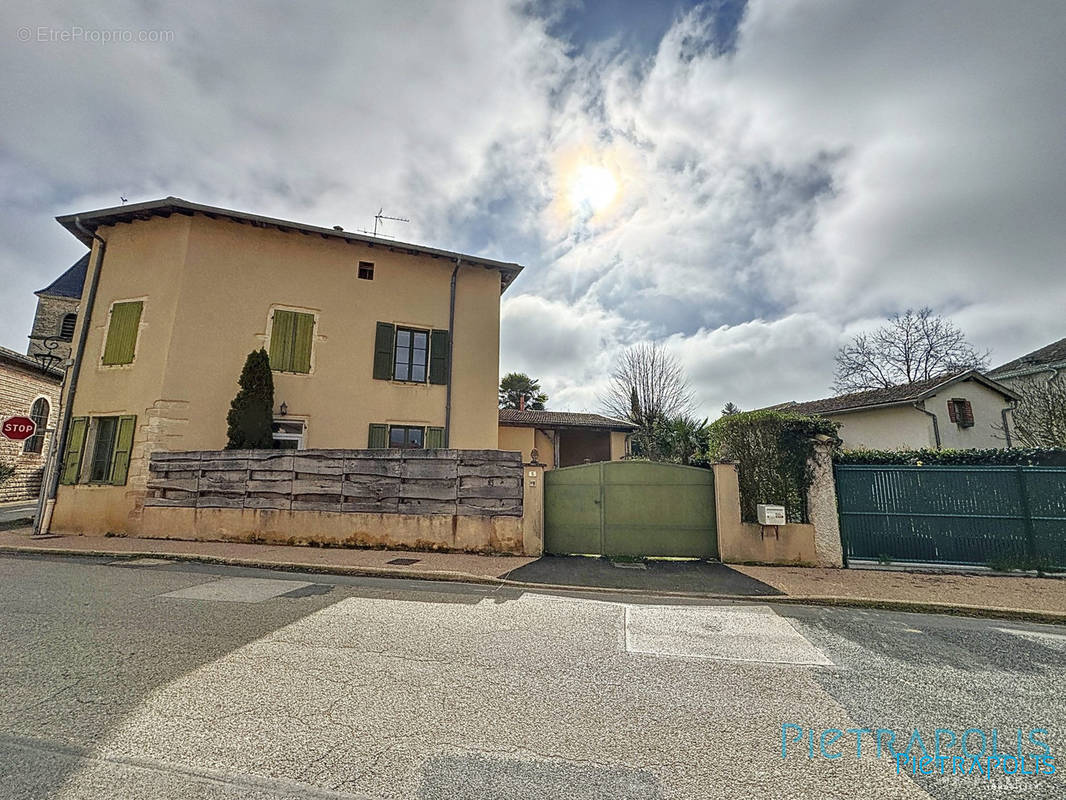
<point>438,357</point>
<point>407,437</point>
<point>292,334</point>
<point>120,459</point>
<point>378,436</point>
<point>384,339</point>
<point>122,327</point>
<point>71,464</point>
<point>434,438</point>
<point>410,354</point>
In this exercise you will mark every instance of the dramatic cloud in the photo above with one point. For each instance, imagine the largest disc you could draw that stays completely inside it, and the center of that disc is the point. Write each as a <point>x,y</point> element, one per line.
<point>750,186</point>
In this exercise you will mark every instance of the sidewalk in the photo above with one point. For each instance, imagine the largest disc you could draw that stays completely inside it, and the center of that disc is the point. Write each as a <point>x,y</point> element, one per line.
<point>1038,599</point>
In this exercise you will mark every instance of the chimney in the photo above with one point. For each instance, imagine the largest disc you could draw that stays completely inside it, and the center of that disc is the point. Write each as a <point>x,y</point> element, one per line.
<point>521,402</point>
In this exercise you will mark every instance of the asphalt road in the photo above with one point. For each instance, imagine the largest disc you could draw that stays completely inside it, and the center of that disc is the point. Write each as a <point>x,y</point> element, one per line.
<point>152,680</point>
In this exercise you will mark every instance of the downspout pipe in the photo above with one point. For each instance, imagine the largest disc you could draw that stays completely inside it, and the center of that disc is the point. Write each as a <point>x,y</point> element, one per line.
<point>86,317</point>
<point>936,424</point>
<point>451,351</point>
<point>1006,423</point>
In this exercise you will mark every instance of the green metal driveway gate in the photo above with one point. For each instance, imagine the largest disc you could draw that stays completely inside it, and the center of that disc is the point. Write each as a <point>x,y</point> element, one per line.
<point>630,508</point>
<point>953,514</point>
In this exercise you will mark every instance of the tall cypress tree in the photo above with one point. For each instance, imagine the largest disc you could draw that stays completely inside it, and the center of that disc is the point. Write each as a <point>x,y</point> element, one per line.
<point>251,413</point>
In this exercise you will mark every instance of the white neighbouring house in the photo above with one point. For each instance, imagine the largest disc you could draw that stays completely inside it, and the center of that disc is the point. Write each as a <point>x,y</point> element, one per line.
<point>960,411</point>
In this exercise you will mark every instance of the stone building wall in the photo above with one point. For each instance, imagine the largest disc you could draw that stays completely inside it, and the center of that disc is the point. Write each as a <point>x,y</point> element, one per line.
<point>20,385</point>
<point>47,324</point>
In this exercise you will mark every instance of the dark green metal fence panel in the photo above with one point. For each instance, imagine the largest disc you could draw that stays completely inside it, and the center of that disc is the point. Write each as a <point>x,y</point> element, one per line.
<point>954,514</point>
<point>630,508</point>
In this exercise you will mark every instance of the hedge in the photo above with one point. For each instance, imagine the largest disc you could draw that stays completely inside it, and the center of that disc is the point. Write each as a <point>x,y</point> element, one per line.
<point>1033,457</point>
<point>772,450</point>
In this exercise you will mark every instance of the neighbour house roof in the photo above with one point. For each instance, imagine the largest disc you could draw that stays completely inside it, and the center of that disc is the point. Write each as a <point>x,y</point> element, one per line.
<point>29,363</point>
<point>903,394</point>
<point>70,283</point>
<point>1052,356</point>
<point>561,419</point>
<point>91,220</point>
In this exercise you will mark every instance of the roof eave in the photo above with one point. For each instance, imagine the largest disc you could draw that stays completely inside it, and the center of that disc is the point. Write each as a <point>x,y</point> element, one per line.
<point>1031,369</point>
<point>91,220</point>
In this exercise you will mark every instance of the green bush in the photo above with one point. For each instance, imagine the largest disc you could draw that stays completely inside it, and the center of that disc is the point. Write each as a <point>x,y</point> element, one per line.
<point>772,450</point>
<point>251,414</point>
<point>1046,457</point>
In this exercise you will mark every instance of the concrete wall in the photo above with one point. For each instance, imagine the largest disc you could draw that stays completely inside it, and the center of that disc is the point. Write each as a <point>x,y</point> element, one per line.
<point>896,428</point>
<point>209,287</point>
<point>19,388</point>
<point>393,531</point>
<point>816,544</point>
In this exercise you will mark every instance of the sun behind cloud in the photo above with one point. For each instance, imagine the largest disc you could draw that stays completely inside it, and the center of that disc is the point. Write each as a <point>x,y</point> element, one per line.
<point>592,188</point>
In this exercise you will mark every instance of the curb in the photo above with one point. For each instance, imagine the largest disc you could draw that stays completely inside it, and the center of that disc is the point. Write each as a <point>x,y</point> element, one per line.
<point>450,576</point>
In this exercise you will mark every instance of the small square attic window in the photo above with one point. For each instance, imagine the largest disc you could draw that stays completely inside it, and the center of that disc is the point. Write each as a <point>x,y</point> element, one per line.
<point>366,270</point>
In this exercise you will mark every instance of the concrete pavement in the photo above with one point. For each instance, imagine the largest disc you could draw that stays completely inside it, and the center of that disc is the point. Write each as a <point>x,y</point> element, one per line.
<point>1038,599</point>
<point>151,679</point>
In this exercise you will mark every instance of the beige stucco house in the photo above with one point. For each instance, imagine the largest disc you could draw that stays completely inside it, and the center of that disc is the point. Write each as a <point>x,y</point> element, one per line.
<point>564,438</point>
<point>961,411</point>
<point>373,343</point>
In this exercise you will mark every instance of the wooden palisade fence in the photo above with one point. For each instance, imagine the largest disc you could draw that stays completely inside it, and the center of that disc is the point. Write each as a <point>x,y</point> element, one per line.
<point>453,482</point>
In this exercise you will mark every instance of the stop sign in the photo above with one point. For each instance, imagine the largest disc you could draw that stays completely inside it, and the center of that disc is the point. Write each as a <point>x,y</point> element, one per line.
<point>18,428</point>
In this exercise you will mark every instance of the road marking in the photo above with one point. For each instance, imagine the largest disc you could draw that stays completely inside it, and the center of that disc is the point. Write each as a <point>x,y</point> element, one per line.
<point>725,633</point>
<point>238,590</point>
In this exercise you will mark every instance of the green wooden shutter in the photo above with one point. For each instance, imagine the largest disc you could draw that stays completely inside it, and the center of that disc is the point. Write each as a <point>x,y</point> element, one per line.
<point>120,456</point>
<point>303,336</point>
<point>383,344</point>
<point>434,438</point>
<point>438,357</point>
<point>122,333</point>
<point>79,426</point>
<point>378,436</point>
<point>281,341</point>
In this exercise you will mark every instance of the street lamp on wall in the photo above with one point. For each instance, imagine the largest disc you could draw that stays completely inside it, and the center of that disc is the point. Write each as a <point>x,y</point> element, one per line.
<point>284,409</point>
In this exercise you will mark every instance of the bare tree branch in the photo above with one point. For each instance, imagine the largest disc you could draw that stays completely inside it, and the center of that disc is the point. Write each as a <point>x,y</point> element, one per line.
<point>1040,416</point>
<point>912,346</point>
<point>648,387</point>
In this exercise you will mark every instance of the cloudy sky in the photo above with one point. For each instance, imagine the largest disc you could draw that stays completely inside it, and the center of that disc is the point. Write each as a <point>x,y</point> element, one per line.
<point>748,183</point>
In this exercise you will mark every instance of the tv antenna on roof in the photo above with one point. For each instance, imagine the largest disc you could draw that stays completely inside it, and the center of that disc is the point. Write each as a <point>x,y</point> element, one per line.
<point>380,216</point>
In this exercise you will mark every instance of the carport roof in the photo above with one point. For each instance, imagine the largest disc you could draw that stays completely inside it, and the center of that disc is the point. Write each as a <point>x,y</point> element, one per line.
<point>562,419</point>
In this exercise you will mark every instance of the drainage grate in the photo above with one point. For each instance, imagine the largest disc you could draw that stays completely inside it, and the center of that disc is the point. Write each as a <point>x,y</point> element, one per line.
<point>629,565</point>
<point>404,561</point>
